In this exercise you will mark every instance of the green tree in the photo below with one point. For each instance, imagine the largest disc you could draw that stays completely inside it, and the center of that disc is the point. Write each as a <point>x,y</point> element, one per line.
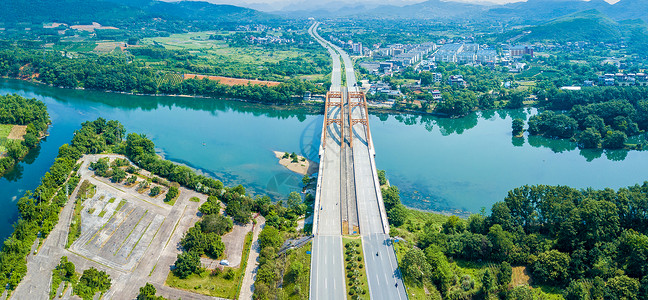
<point>504,275</point>
<point>270,237</point>
<point>415,267</point>
<point>551,267</point>
<point>397,215</point>
<point>216,223</point>
<point>517,127</point>
<point>488,282</point>
<point>614,140</point>
<point>589,138</point>
<point>187,264</point>
<point>623,287</point>
<point>391,197</point>
<point>118,175</point>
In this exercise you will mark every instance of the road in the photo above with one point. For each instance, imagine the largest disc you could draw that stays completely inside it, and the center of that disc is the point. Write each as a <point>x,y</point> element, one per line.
<point>327,265</point>
<point>382,269</point>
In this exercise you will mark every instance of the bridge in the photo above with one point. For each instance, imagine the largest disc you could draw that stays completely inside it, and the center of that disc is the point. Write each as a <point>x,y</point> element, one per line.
<point>348,200</point>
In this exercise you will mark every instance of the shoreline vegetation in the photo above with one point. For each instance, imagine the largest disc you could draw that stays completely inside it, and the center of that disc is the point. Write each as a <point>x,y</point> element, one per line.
<point>296,163</point>
<point>29,121</point>
<point>540,242</point>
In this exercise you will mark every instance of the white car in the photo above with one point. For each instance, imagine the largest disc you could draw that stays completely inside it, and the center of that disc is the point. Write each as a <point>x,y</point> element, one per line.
<point>224,262</point>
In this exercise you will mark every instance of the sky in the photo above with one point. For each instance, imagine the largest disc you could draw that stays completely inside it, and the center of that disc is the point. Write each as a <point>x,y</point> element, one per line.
<point>270,5</point>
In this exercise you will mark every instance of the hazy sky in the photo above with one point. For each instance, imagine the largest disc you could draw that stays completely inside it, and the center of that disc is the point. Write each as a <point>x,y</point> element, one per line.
<point>284,2</point>
<point>274,5</point>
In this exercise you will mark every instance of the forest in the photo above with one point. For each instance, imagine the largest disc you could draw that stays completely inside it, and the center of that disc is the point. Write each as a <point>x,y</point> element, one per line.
<point>597,117</point>
<point>17,110</point>
<point>119,74</point>
<point>590,244</point>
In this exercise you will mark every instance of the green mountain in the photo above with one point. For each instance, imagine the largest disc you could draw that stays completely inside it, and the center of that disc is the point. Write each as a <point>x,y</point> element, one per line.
<point>591,26</point>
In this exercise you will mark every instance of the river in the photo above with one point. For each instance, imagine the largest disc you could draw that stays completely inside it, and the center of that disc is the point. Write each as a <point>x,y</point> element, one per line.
<point>447,165</point>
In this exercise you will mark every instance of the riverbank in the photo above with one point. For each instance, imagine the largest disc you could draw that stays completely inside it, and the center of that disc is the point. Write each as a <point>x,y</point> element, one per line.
<point>299,165</point>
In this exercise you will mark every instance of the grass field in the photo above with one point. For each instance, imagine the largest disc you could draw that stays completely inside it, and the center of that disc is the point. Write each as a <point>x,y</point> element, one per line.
<point>4,133</point>
<point>296,287</point>
<point>76,47</point>
<point>198,43</point>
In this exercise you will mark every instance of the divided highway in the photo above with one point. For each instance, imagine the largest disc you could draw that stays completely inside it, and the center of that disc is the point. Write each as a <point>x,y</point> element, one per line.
<point>348,181</point>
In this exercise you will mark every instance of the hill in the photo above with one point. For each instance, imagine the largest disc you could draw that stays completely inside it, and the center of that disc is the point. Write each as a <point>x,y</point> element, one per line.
<point>121,13</point>
<point>589,25</point>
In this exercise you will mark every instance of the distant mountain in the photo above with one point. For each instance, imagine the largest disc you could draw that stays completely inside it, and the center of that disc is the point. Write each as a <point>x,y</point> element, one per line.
<point>115,12</point>
<point>629,9</point>
<point>533,11</point>
<point>589,25</point>
<point>431,9</point>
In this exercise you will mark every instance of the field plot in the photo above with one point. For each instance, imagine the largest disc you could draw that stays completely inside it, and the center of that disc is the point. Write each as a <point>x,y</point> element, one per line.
<point>198,43</point>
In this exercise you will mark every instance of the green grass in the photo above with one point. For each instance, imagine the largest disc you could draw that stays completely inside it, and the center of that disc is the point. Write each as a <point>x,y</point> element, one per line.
<point>214,285</point>
<point>415,222</point>
<point>120,205</point>
<point>75,225</point>
<point>102,213</point>
<point>303,279</point>
<point>5,130</point>
<point>91,211</point>
<point>112,200</point>
<point>348,269</point>
<point>75,46</point>
<point>194,199</point>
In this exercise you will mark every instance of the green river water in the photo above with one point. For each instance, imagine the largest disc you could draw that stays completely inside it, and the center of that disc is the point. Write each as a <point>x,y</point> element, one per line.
<point>447,165</point>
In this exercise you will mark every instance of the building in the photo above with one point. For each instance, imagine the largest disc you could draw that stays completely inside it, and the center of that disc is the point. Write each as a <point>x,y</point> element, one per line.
<point>357,48</point>
<point>519,51</point>
<point>466,57</point>
<point>457,80</point>
<point>437,77</point>
<point>484,56</point>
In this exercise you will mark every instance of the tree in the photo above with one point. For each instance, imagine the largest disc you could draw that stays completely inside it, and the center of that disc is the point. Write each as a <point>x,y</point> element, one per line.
<point>187,264</point>
<point>397,215</point>
<point>415,267</point>
<point>589,138</point>
<point>614,140</point>
<point>171,194</point>
<point>270,237</point>
<point>382,178</point>
<point>504,275</point>
<point>517,127</point>
<point>623,287</point>
<point>488,282</point>
<point>147,292</point>
<point>391,197</point>
<point>156,190</point>
<point>216,223</point>
<point>295,203</point>
<point>215,246</point>
<point>118,175</point>
<point>551,267</point>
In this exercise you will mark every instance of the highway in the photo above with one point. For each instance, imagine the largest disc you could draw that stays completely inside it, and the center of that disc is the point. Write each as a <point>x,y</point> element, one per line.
<point>327,264</point>
<point>348,188</point>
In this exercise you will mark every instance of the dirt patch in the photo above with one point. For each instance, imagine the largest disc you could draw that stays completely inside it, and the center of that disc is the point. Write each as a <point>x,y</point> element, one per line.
<point>303,166</point>
<point>232,81</point>
<point>520,276</point>
<point>108,46</point>
<point>18,132</point>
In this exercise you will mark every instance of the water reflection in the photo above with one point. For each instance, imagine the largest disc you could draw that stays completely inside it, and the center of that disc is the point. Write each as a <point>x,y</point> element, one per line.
<point>616,155</point>
<point>591,154</point>
<point>517,141</point>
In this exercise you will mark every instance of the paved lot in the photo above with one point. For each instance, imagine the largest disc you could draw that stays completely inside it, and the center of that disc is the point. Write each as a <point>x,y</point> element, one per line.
<point>135,244</point>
